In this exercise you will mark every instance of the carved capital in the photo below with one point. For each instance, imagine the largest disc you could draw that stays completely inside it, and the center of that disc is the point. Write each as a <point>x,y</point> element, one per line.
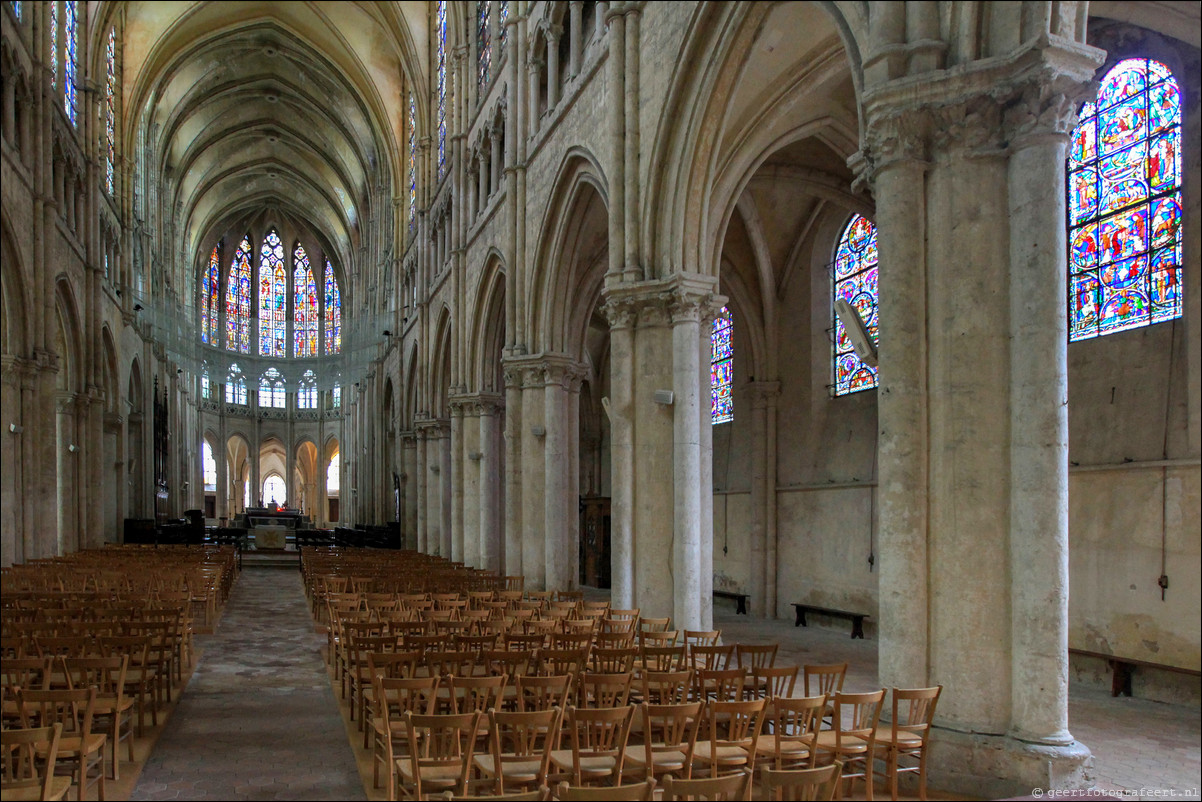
<point>1042,110</point>
<point>972,127</point>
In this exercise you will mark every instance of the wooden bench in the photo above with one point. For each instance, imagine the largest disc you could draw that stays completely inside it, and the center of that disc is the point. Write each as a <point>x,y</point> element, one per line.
<point>1121,669</point>
<point>857,619</point>
<point>739,598</point>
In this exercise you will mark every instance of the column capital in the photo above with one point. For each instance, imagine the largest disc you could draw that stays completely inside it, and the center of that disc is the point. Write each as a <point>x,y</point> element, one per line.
<point>544,370</point>
<point>682,297</point>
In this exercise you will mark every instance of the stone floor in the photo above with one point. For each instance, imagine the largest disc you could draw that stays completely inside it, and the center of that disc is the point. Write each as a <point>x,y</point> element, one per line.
<point>260,719</point>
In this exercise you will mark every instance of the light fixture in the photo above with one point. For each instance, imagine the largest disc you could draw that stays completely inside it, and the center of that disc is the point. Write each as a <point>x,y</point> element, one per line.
<point>73,448</point>
<point>137,307</point>
<point>387,333</point>
<point>475,456</point>
<point>15,429</point>
<point>538,431</point>
<point>665,397</point>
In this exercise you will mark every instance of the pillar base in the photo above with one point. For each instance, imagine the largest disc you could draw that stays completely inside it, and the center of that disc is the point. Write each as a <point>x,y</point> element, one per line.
<point>999,766</point>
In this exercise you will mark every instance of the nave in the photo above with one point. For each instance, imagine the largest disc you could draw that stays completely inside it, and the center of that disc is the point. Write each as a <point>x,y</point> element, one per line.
<point>218,743</point>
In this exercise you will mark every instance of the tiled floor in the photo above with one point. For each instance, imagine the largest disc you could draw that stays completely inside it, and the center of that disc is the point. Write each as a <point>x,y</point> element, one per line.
<point>259,718</point>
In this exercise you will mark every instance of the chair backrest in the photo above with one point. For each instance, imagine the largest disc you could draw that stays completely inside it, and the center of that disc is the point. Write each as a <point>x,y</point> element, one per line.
<point>774,682</point>
<point>667,687</point>
<point>598,732</point>
<point>670,728</point>
<point>539,692</point>
<point>756,655</point>
<point>583,793</point>
<point>105,674</point>
<point>73,709</point>
<point>25,672</point>
<point>662,658</point>
<point>826,679</point>
<point>519,738</point>
<point>540,794</point>
<point>711,658</point>
<point>607,639</point>
<point>562,661</point>
<point>393,664</point>
<point>667,637</point>
<point>725,685</point>
<point>913,711</point>
<point>443,663</point>
<point>27,757</point>
<point>802,784</point>
<point>441,746</point>
<point>613,661</point>
<point>654,624</point>
<point>604,690</point>
<point>504,661</point>
<point>795,723</point>
<point>856,715</point>
<point>701,637</point>
<point>476,694</point>
<point>735,723</point>
<point>406,694</point>
<point>730,787</point>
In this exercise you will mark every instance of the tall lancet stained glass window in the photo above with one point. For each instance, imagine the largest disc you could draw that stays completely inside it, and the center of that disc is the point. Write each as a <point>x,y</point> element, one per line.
<point>237,300</point>
<point>271,389</point>
<point>1124,203</point>
<point>304,302</point>
<point>483,41</point>
<point>110,111</point>
<point>855,279</point>
<point>273,297</point>
<point>235,386</point>
<point>440,73</point>
<point>411,124</point>
<point>210,298</point>
<point>722,354</point>
<point>333,312</point>
<point>71,63</point>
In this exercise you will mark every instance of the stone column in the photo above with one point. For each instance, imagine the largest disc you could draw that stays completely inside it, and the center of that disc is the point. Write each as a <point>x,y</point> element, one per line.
<point>1040,124</point>
<point>553,87</point>
<point>533,466</point>
<point>469,456</point>
<point>512,554</point>
<point>422,501</point>
<point>561,473</point>
<point>763,498</point>
<point>622,316</point>
<point>444,495</point>
<point>575,51</point>
<point>490,484</point>
<point>686,487</point>
<point>454,461</point>
<point>222,486</point>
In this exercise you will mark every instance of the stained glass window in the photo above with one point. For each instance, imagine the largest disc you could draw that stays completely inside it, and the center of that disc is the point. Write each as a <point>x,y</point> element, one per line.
<point>71,40</point>
<point>336,397</point>
<point>502,16</point>
<point>210,298</point>
<point>333,311</point>
<point>54,54</point>
<point>483,41</point>
<point>440,71</point>
<point>237,300</point>
<point>275,490</point>
<point>271,389</point>
<point>17,8</point>
<point>855,279</point>
<point>273,297</point>
<point>110,110</point>
<point>235,386</point>
<point>722,354</point>
<point>304,327</point>
<point>206,384</point>
<point>1124,203</point>
<point>306,396</point>
<point>209,465</point>
<point>334,474</point>
<point>412,125</point>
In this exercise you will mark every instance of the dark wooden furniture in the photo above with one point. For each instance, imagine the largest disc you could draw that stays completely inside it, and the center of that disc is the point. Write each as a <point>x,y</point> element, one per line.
<point>857,619</point>
<point>1121,669</point>
<point>739,598</point>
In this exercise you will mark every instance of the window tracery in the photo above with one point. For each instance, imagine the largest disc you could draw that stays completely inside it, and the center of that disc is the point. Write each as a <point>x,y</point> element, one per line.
<point>273,299</point>
<point>855,280</point>
<point>304,305</point>
<point>237,300</point>
<point>722,368</point>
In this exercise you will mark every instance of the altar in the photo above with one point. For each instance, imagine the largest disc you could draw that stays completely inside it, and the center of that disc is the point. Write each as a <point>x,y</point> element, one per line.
<point>271,528</point>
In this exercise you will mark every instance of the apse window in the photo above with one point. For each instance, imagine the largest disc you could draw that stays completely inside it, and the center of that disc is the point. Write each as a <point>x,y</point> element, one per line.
<point>855,281</point>
<point>1124,203</point>
<point>722,354</point>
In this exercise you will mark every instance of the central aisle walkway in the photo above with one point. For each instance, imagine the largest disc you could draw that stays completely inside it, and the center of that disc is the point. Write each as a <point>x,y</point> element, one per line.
<point>258,719</point>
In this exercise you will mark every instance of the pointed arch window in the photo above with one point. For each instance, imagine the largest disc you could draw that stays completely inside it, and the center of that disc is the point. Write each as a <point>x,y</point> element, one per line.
<point>71,61</point>
<point>206,384</point>
<point>502,17</point>
<point>855,279</point>
<point>273,298</point>
<point>110,111</point>
<point>235,386</point>
<point>210,298</point>
<point>271,389</point>
<point>333,311</point>
<point>411,123</point>
<point>17,4</point>
<point>306,396</point>
<point>275,490</point>
<point>208,466</point>
<point>237,300</point>
<point>54,54</point>
<point>304,326</point>
<point>334,474</point>
<point>440,72</point>
<point>336,397</point>
<point>483,41</point>
<point>722,368</point>
<point>1124,203</point>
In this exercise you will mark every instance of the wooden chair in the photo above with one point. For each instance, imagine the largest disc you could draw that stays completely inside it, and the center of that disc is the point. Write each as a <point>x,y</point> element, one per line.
<point>520,746</point>
<point>396,696</point>
<point>78,745</point>
<point>540,794</point>
<point>669,739</point>
<point>554,662</point>
<point>852,737</point>
<point>537,692</point>
<point>387,665</point>
<point>719,686</point>
<point>475,694</point>
<point>771,683</point>
<point>795,724</point>
<point>906,737</point>
<point>736,786</point>
<point>441,752</point>
<point>598,737</point>
<point>824,679</point>
<point>140,681</point>
<point>28,756</point>
<point>661,658</point>
<point>644,791</point>
<point>666,687</point>
<point>113,713</point>
<point>604,639</point>
<point>731,737</point>
<point>701,637</point>
<point>654,624</point>
<point>21,672</point>
<point>667,637</point>
<point>612,661</point>
<point>804,784</point>
<point>749,656</point>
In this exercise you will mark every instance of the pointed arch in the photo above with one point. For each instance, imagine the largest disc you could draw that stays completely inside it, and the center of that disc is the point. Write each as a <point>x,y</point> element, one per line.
<point>488,336</point>
<point>440,365</point>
